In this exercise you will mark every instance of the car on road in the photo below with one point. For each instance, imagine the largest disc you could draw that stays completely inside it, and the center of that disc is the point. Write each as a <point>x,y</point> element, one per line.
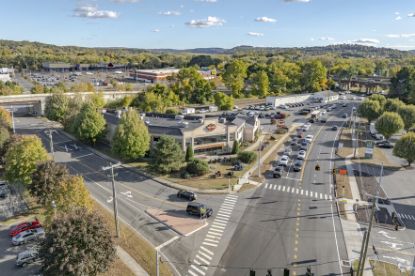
<point>198,209</point>
<point>27,257</point>
<point>186,195</point>
<point>309,138</point>
<point>28,236</point>
<point>283,160</point>
<point>24,226</point>
<point>378,136</point>
<point>278,171</point>
<point>344,104</point>
<point>384,144</point>
<point>301,154</point>
<point>344,115</point>
<point>298,165</point>
<point>335,127</point>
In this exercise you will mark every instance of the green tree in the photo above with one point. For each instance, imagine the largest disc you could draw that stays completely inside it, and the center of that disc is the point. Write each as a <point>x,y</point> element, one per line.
<point>74,108</point>
<point>4,138</point>
<point>10,88</point>
<point>314,76</point>
<point>260,83</point>
<point>223,101</point>
<point>97,99</point>
<point>131,139</point>
<point>284,77</point>
<point>37,89</point>
<point>235,75</point>
<point>189,153</point>
<point>57,107</point>
<point>379,98</point>
<point>369,110</point>
<point>5,118</point>
<point>89,125</point>
<point>405,148</point>
<point>197,167</point>
<point>247,156</point>
<point>167,155</point>
<point>407,114</point>
<point>403,85</point>
<point>78,243</point>
<point>393,105</point>
<point>21,158</point>
<point>235,147</point>
<point>389,123</point>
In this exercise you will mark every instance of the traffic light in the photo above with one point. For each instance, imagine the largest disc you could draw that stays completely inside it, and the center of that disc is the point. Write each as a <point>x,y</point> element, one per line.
<point>286,272</point>
<point>251,272</point>
<point>317,168</point>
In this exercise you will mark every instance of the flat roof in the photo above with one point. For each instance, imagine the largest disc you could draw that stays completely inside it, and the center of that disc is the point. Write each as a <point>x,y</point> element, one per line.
<point>158,71</point>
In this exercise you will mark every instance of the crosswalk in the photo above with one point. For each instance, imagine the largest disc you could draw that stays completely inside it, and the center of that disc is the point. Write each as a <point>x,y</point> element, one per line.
<point>294,190</point>
<point>204,256</point>
<point>406,216</point>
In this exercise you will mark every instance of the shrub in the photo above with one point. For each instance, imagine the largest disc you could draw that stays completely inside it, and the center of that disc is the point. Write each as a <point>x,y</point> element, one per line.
<point>197,167</point>
<point>247,157</point>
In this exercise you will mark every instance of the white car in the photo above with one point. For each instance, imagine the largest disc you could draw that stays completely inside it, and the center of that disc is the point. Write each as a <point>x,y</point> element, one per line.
<point>309,138</point>
<point>28,236</point>
<point>306,126</point>
<point>301,154</point>
<point>283,106</point>
<point>283,161</point>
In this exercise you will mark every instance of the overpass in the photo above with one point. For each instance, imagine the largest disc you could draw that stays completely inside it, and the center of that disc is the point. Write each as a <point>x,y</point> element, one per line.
<point>35,103</point>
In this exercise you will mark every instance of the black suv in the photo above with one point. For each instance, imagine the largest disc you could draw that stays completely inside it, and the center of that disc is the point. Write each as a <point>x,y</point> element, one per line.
<point>199,209</point>
<point>186,195</point>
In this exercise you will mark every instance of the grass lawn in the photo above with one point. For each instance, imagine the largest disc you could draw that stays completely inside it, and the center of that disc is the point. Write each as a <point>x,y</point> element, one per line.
<point>386,269</point>
<point>138,248</point>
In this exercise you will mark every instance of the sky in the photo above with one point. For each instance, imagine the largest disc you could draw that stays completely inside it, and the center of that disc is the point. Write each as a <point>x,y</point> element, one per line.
<point>186,24</point>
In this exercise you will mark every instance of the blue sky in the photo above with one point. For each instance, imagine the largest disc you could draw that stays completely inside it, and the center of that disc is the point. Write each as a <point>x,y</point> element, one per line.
<point>185,24</point>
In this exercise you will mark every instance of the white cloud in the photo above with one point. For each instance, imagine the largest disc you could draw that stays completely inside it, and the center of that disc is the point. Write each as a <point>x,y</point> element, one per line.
<point>156,30</point>
<point>400,35</point>
<point>298,1</point>
<point>93,12</point>
<point>398,18</point>
<point>125,1</point>
<point>312,39</point>
<point>255,34</point>
<point>265,19</point>
<point>327,38</point>
<point>397,13</point>
<point>207,1</point>
<point>411,14</point>
<point>170,13</point>
<point>366,41</point>
<point>205,23</point>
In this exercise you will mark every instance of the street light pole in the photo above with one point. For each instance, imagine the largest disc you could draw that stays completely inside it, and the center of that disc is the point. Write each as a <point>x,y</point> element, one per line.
<point>51,143</point>
<point>14,129</point>
<point>114,197</point>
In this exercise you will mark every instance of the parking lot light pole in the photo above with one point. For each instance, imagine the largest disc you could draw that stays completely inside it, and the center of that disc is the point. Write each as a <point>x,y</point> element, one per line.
<point>14,129</point>
<point>114,197</point>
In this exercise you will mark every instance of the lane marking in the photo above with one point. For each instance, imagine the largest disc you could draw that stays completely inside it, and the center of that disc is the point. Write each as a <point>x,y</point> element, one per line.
<point>202,266</point>
<point>279,187</point>
<point>219,223</point>
<point>216,230</point>
<point>215,234</point>
<point>275,187</point>
<point>205,255</point>
<point>192,273</point>
<point>206,250</point>
<point>283,188</point>
<point>197,269</point>
<point>302,191</point>
<point>223,215</point>
<point>210,244</point>
<point>266,185</point>
<point>210,240</point>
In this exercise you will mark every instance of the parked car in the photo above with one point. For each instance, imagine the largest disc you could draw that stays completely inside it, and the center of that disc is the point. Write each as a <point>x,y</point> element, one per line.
<point>344,115</point>
<point>378,136</point>
<point>304,146</point>
<point>278,171</point>
<point>344,104</point>
<point>301,154</point>
<point>334,127</point>
<point>287,151</point>
<point>24,226</point>
<point>294,141</point>
<point>28,236</point>
<point>384,144</point>
<point>198,209</point>
<point>238,167</point>
<point>309,138</point>
<point>298,165</point>
<point>283,160</point>
<point>186,195</point>
<point>27,257</point>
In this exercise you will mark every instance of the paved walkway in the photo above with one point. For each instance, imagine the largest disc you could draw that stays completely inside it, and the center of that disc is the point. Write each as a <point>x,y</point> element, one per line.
<point>130,262</point>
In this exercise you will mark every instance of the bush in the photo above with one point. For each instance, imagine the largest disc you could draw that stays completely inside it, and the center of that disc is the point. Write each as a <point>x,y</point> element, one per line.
<point>247,157</point>
<point>197,167</point>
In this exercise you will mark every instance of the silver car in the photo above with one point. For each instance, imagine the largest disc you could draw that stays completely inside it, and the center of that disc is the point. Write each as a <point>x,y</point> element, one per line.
<point>27,257</point>
<point>28,236</point>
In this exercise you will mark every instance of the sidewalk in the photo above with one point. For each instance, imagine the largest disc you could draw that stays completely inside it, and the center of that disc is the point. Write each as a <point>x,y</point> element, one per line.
<point>130,262</point>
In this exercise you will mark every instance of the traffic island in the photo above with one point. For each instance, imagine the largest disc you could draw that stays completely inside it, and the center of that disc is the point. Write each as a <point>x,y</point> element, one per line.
<point>178,221</point>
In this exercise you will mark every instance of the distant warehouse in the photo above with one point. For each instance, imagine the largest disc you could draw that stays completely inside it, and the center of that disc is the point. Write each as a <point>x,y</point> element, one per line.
<point>318,97</point>
<point>161,75</point>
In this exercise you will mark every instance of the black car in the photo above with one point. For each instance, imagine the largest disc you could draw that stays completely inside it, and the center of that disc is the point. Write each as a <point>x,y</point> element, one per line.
<point>334,127</point>
<point>186,195</point>
<point>344,115</point>
<point>298,165</point>
<point>199,209</point>
<point>278,171</point>
<point>384,144</point>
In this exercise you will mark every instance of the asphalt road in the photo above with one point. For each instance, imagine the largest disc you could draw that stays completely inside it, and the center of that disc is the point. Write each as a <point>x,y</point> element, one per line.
<point>291,222</point>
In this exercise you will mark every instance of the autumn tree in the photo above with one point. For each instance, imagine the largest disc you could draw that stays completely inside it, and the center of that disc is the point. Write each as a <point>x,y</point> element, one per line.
<point>369,110</point>
<point>407,114</point>
<point>5,118</point>
<point>57,107</point>
<point>389,123</point>
<point>89,125</point>
<point>260,83</point>
<point>405,148</point>
<point>131,139</point>
<point>314,76</point>
<point>235,75</point>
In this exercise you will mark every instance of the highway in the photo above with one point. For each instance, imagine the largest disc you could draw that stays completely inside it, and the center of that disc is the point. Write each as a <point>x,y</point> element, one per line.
<point>292,222</point>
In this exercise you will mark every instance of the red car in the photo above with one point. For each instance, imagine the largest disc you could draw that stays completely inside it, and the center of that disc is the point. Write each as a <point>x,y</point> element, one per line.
<point>23,227</point>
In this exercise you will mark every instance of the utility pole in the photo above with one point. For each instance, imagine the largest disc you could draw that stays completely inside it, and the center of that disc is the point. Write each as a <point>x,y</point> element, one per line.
<point>259,159</point>
<point>157,263</point>
<point>367,236</point>
<point>114,197</point>
<point>12,112</point>
<point>51,143</point>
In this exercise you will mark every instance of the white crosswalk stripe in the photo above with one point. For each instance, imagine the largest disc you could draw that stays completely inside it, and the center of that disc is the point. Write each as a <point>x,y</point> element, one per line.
<point>206,250</point>
<point>306,193</point>
<point>203,260</point>
<point>266,185</point>
<point>302,191</point>
<point>215,233</point>
<point>288,189</point>
<point>197,269</point>
<point>193,274</point>
<point>275,187</point>
<point>279,187</point>
<point>283,188</point>
<point>210,244</point>
<point>205,255</point>
<point>202,266</point>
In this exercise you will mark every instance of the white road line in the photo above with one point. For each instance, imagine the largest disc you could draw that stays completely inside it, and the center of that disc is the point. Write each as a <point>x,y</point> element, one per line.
<point>203,260</point>
<point>218,226</point>
<point>229,200</point>
<point>226,212</point>
<point>399,215</point>
<point>232,196</point>
<point>215,230</point>
<point>210,244</point>
<point>297,191</point>
<point>306,193</point>
<point>325,197</point>
<point>223,215</point>
<point>197,269</point>
<point>192,273</point>
<point>266,185</point>
<point>212,237</point>
<point>321,196</point>
<point>412,217</point>
<point>283,188</point>
<point>205,255</point>
<point>86,155</point>
<point>288,189</point>
<point>202,266</point>
<point>215,234</point>
<point>302,191</point>
<point>219,223</point>
<point>206,250</point>
<point>210,240</point>
<point>311,193</point>
<point>279,187</point>
<point>224,220</point>
<point>275,187</point>
<point>227,206</point>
